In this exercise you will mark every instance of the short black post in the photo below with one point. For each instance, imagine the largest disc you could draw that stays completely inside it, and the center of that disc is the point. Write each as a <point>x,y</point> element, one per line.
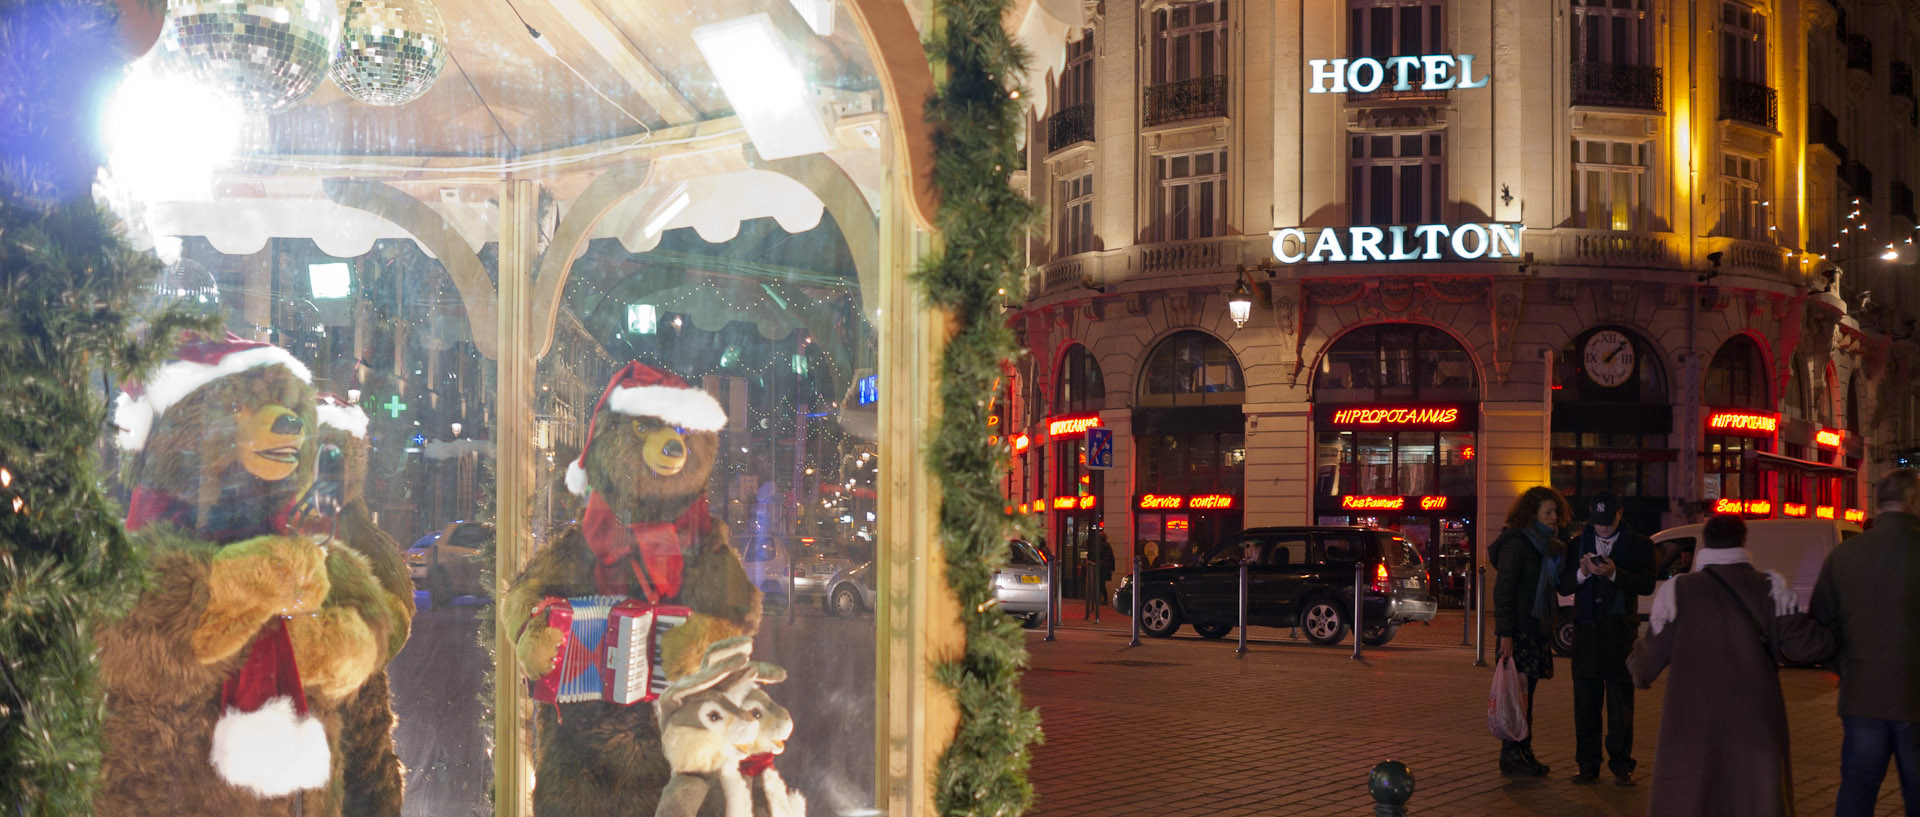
<point>1136,602</point>
<point>1243,606</point>
<point>1359,595</point>
<point>1479,616</point>
<point>1466,609</point>
<point>1053,595</point>
<point>1391,785</point>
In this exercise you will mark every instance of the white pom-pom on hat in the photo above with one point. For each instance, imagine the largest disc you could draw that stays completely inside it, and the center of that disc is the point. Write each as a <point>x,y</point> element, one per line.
<point>332,412</point>
<point>272,751</point>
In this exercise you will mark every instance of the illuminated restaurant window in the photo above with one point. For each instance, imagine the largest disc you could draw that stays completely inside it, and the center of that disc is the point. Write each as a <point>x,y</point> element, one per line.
<point>1191,369</point>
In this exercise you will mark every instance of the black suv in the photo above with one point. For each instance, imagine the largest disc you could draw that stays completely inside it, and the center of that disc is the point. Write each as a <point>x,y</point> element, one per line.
<point>1298,576</point>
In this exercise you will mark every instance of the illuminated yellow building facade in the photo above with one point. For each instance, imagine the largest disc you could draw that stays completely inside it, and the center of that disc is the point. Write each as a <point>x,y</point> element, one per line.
<point>1651,247</point>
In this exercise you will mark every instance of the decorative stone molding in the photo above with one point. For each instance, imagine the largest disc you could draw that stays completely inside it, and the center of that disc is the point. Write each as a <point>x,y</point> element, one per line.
<point>1507,300</point>
<point>1619,301</point>
<point>1396,118</point>
<point>1290,315</point>
<point>1566,292</point>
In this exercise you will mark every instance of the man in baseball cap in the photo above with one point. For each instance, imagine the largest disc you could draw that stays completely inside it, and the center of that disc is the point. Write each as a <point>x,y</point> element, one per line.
<point>1607,569</point>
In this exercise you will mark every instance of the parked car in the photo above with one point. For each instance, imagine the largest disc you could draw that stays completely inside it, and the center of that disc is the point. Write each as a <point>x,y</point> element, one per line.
<point>813,570</point>
<point>1020,586</point>
<point>1795,547</point>
<point>852,591</point>
<point>447,563</point>
<point>1298,576</point>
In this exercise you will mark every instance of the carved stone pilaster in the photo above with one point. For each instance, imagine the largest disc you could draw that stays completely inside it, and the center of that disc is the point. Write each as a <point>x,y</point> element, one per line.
<point>1289,314</point>
<point>1506,301</point>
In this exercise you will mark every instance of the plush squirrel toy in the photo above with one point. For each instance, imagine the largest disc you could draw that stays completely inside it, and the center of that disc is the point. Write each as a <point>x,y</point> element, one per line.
<point>368,760</point>
<point>646,534</point>
<point>722,731</point>
<point>225,680</point>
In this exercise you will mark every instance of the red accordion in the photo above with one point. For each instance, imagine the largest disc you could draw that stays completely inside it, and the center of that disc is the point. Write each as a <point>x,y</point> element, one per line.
<point>610,650</point>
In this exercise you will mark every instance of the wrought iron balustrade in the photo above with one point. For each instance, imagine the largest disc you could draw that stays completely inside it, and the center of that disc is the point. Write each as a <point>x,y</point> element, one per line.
<point>1903,202</point>
<point>1823,128</point>
<point>1749,102</point>
<point>1070,126</point>
<point>1196,98</point>
<point>1859,53</point>
<point>1617,86</point>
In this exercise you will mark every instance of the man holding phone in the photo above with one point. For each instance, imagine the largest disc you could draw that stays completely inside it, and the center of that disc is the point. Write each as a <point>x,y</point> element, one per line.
<point>1609,569</point>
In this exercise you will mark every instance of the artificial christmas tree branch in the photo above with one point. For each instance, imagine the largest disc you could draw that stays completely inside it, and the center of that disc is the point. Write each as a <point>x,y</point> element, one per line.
<point>982,220</point>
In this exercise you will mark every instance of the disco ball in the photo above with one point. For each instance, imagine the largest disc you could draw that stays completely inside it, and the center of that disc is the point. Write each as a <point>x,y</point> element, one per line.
<point>390,51</point>
<point>268,54</point>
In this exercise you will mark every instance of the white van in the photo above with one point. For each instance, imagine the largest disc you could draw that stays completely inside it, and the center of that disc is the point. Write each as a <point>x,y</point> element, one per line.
<point>1795,547</point>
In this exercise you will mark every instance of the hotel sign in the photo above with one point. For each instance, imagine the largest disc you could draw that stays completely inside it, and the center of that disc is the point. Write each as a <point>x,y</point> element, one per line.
<point>1445,416</point>
<point>1422,242</point>
<point>1435,72</point>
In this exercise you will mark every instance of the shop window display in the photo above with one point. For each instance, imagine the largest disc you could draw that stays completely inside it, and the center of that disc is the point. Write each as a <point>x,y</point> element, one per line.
<point>649,309</point>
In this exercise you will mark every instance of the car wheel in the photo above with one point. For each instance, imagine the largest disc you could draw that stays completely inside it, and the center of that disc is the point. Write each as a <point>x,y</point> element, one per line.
<point>844,603</point>
<point>1213,630</point>
<point>1030,621</point>
<point>1324,622</point>
<point>1563,638</point>
<point>1159,617</point>
<point>1379,634</point>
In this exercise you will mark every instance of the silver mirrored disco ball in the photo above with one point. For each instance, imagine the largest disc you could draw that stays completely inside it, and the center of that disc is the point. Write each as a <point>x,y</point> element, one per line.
<point>391,51</point>
<point>268,54</point>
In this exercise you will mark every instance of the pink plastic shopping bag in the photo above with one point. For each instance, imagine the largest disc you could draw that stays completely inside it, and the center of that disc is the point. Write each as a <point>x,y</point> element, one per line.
<point>1507,703</point>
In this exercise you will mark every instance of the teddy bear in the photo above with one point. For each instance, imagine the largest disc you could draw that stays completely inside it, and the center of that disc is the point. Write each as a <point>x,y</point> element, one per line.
<point>368,756</point>
<point>226,678</point>
<point>645,534</point>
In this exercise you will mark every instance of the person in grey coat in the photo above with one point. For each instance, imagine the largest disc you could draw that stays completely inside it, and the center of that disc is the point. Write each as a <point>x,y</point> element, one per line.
<point>1723,630</point>
<point>1869,594</point>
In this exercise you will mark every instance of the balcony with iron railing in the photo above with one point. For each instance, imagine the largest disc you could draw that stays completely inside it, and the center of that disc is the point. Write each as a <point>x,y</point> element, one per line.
<point>1070,126</point>
<point>1859,53</point>
<point>1197,98</point>
<point>1609,85</point>
<point>1903,203</point>
<point>1858,178</point>
<point>1823,129</point>
<point>1749,102</point>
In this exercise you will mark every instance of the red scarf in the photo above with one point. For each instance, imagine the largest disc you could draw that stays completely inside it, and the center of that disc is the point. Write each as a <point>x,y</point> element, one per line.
<point>754,765</point>
<point>655,548</point>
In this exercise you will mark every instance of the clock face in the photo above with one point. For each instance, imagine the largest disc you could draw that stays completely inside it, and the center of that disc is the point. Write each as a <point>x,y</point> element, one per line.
<point>1609,358</point>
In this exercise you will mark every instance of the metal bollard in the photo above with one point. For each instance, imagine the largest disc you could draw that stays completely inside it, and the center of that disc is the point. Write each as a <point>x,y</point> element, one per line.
<point>1053,596</point>
<point>1135,642</point>
<point>1359,624</point>
<point>1479,617</point>
<point>1391,785</point>
<point>1243,608</point>
<point>1466,607</point>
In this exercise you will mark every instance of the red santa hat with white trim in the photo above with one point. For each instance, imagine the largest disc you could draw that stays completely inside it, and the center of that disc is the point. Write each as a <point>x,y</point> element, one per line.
<point>639,390</point>
<point>198,361</point>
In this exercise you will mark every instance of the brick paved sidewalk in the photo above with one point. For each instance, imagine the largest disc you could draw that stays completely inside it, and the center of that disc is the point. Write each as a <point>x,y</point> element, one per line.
<point>1181,726</point>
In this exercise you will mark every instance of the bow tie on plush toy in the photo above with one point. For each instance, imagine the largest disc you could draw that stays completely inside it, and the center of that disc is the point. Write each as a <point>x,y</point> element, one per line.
<point>655,548</point>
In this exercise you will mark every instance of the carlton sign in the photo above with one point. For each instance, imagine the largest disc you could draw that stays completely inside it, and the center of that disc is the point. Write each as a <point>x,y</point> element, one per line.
<point>1423,242</point>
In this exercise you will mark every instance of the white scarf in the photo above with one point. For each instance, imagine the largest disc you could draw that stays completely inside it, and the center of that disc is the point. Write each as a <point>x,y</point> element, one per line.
<point>1665,608</point>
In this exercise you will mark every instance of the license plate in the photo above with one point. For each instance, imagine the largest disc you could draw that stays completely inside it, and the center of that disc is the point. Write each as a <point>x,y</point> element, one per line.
<point>1029,579</point>
<point>1413,584</point>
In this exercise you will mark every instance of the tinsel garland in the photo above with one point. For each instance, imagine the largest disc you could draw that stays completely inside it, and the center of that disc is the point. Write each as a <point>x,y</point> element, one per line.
<point>982,220</point>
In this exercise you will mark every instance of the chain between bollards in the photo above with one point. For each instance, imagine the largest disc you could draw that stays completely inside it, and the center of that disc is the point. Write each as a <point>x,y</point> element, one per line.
<point>1391,784</point>
<point>1479,616</point>
<point>1243,607</point>
<point>1359,624</point>
<point>1138,599</point>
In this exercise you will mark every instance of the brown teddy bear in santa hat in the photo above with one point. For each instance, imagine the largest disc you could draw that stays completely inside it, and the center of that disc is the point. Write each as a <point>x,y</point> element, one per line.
<point>645,535</point>
<point>224,680</point>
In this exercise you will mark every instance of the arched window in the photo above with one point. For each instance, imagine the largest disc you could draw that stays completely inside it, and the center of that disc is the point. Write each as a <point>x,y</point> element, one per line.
<point>1079,386</point>
<point>1395,361</point>
<point>1737,377</point>
<point>1799,398</point>
<point>1191,369</point>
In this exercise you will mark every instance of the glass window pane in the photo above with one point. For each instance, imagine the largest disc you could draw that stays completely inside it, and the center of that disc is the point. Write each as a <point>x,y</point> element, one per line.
<point>1410,195</point>
<point>1375,454</point>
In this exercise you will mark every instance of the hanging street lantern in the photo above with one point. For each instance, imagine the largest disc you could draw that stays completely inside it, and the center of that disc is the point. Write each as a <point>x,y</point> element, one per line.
<point>1240,304</point>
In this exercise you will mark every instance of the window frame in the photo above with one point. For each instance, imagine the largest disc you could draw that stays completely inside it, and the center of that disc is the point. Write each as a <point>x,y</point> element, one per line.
<point>1597,33</point>
<point>1174,223</point>
<point>1639,219</point>
<point>1074,225</point>
<point>1743,209</point>
<point>1206,43</point>
<point>1364,168</point>
<point>1743,42</point>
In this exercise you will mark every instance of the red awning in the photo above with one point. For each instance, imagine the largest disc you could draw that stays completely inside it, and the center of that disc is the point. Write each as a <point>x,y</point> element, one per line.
<point>1770,460</point>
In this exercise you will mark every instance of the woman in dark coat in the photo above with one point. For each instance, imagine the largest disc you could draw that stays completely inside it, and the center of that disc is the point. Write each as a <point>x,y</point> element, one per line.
<point>1721,631</point>
<point>1525,599</point>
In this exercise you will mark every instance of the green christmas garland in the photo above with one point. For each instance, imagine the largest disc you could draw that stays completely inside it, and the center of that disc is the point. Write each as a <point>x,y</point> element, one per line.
<point>982,219</point>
